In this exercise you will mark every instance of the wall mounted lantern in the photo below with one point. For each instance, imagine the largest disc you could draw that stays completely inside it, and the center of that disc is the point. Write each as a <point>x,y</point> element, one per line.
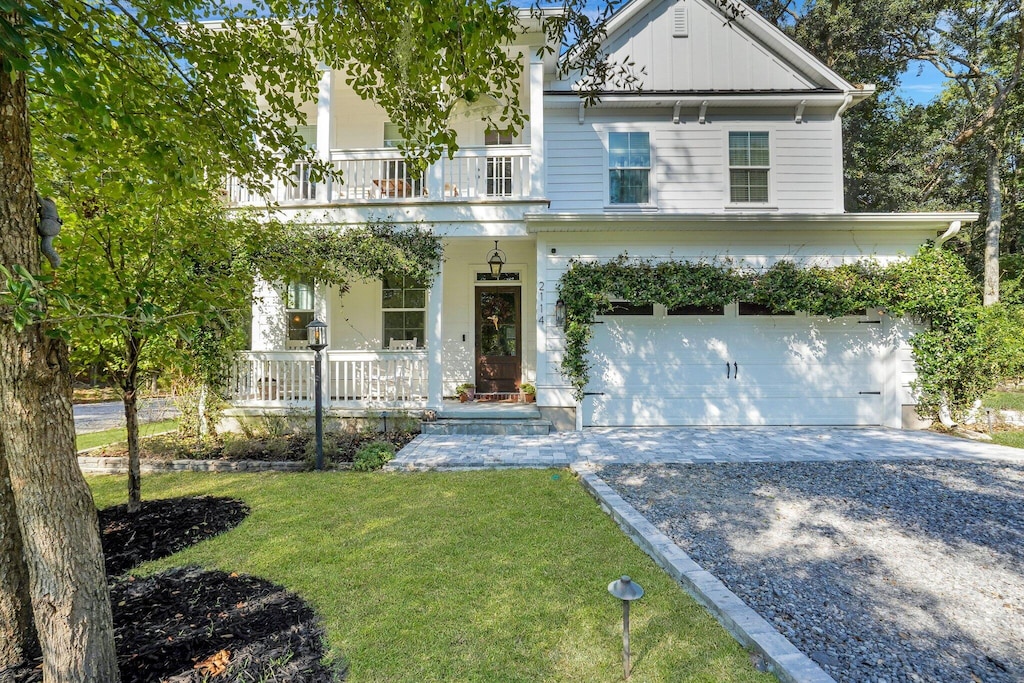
<point>495,259</point>
<point>560,313</point>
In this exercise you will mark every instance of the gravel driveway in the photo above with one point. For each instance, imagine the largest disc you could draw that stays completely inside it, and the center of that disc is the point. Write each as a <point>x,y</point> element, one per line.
<point>879,571</point>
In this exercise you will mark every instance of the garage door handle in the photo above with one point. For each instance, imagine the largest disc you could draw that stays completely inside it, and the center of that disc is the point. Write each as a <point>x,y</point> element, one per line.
<point>735,370</point>
<point>727,370</point>
<point>870,393</point>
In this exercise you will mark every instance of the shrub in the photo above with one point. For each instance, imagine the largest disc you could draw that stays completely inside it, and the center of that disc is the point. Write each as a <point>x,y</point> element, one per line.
<point>373,456</point>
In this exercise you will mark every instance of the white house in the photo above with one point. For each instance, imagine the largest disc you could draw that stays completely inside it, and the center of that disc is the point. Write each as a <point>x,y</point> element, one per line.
<point>731,149</point>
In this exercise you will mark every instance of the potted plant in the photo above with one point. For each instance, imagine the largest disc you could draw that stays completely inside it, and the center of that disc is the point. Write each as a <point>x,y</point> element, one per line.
<point>466,391</point>
<point>528,391</point>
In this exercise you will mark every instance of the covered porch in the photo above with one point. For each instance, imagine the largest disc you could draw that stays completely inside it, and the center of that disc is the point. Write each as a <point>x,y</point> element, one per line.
<point>394,344</point>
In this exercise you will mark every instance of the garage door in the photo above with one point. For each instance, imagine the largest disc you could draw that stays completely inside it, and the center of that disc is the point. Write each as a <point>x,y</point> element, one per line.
<point>733,369</point>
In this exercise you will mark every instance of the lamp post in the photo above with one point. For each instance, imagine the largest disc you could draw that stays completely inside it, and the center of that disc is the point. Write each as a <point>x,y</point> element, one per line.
<point>624,589</point>
<point>316,337</point>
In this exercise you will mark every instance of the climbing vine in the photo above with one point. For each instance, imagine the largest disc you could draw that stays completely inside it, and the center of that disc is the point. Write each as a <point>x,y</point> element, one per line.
<point>956,361</point>
<point>299,252</point>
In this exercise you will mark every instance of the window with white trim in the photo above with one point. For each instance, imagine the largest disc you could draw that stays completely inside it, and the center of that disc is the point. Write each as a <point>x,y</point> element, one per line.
<point>629,168</point>
<point>499,167</point>
<point>298,310</point>
<point>404,302</point>
<point>749,163</point>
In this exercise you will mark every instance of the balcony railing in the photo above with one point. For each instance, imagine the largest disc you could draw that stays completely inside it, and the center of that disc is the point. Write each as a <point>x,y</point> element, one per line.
<point>374,175</point>
<point>350,378</point>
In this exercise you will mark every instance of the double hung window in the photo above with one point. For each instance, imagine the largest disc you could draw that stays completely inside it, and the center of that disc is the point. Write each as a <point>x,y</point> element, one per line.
<point>404,302</point>
<point>298,311</point>
<point>749,163</point>
<point>629,168</point>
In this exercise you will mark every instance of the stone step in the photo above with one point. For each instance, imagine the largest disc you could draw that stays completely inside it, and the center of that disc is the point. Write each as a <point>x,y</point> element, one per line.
<point>488,426</point>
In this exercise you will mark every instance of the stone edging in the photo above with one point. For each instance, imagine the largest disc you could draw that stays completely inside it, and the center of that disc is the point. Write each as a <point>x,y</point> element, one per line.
<point>749,628</point>
<point>119,465</point>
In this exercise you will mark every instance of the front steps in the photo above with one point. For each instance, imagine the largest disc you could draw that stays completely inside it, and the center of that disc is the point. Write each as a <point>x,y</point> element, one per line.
<point>523,419</point>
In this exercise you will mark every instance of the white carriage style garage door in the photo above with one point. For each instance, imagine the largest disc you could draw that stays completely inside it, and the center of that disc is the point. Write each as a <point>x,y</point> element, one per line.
<point>735,365</point>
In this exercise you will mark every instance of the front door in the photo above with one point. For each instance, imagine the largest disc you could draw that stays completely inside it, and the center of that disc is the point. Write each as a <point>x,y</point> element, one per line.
<point>498,339</point>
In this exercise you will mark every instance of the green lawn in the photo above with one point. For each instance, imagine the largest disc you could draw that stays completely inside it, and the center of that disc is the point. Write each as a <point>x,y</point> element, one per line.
<point>1009,438</point>
<point>1004,400</point>
<point>108,436</point>
<point>483,576</point>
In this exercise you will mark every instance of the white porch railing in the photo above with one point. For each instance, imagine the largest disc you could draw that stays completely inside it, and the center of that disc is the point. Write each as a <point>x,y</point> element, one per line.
<point>358,379</point>
<point>495,171</point>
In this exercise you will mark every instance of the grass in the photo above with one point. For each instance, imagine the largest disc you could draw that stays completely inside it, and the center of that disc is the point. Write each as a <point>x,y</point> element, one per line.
<point>1004,400</point>
<point>483,576</point>
<point>109,436</point>
<point>1009,438</point>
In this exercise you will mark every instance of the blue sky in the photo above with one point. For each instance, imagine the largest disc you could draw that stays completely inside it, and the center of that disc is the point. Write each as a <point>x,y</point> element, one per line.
<point>923,87</point>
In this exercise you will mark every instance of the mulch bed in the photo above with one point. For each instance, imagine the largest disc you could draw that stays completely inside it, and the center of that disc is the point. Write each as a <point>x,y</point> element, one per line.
<point>190,625</point>
<point>163,527</point>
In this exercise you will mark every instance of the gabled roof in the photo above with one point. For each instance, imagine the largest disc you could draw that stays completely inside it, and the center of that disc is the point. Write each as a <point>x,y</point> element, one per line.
<point>767,44</point>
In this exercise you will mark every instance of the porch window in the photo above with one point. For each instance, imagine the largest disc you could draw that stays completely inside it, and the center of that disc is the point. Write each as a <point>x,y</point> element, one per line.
<point>298,310</point>
<point>404,302</point>
<point>629,168</point>
<point>748,168</point>
<point>499,168</point>
<point>301,187</point>
<point>396,181</point>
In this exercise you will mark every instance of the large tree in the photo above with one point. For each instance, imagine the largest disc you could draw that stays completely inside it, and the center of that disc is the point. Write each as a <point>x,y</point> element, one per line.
<point>151,70</point>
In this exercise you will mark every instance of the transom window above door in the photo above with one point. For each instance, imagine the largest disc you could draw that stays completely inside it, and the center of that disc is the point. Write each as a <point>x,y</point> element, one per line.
<point>404,305</point>
<point>629,168</point>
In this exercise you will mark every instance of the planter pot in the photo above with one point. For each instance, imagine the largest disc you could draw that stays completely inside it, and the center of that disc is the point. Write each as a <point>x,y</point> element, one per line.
<point>463,397</point>
<point>529,398</point>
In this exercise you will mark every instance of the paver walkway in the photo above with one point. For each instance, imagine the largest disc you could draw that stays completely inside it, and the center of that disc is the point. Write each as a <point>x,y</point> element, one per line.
<point>604,446</point>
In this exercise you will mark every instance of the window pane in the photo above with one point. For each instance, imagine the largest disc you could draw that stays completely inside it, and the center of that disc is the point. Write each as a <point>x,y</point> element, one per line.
<point>391,298</point>
<point>739,154</point>
<point>415,298</point>
<point>629,186</point>
<point>639,150</point>
<point>392,136</point>
<point>297,321</point>
<point>618,143</point>
<point>299,296</point>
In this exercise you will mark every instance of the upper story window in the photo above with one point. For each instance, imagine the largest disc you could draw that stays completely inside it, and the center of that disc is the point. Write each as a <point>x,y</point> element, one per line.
<point>499,167</point>
<point>299,311</point>
<point>392,135</point>
<point>629,168</point>
<point>405,311</point>
<point>748,168</point>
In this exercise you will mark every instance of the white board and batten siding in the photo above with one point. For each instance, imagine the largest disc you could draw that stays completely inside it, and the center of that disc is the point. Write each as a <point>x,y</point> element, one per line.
<point>664,370</point>
<point>689,160</point>
<point>688,45</point>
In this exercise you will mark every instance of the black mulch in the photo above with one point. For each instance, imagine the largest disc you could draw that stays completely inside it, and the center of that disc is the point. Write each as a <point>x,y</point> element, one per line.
<point>163,527</point>
<point>189,624</point>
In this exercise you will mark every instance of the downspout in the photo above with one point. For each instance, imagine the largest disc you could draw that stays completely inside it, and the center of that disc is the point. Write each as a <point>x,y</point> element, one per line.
<point>950,233</point>
<point>945,417</point>
<point>847,101</point>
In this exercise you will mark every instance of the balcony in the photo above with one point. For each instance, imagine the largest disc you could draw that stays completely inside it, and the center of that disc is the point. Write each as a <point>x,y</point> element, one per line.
<point>496,172</point>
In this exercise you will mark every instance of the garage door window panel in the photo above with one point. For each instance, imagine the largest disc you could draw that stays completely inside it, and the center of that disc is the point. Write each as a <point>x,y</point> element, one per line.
<point>626,308</point>
<point>752,308</point>
<point>690,309</point>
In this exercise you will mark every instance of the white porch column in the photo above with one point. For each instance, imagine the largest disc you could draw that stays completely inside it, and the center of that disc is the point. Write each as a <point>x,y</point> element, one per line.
<point>268,318</point>
<point>323,129</point>
<point>545,315</point>
<point>537,179</point>
<point>435,341</point>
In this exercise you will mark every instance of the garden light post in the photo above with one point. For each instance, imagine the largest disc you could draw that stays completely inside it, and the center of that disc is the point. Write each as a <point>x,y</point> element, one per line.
<point>316,336</point>
<point>624,589</point>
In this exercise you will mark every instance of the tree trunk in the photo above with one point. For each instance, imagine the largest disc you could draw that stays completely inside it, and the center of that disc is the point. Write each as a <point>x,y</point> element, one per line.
<point>56,513</point>
<point>993,227</point>
<point>17,637</point>
<point>131,416</point>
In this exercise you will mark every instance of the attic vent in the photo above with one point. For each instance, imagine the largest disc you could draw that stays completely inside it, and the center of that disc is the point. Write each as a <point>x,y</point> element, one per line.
<point>681,24</point>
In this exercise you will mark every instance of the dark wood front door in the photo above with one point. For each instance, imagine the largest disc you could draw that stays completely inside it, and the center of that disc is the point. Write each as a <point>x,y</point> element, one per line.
<point>498,339</point>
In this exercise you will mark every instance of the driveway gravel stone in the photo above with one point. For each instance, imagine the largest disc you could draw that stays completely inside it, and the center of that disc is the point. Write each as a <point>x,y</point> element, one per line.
<point>879,571</point>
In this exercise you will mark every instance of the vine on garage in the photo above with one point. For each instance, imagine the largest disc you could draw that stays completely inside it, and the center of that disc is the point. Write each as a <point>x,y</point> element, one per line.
<point>961,352</point>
